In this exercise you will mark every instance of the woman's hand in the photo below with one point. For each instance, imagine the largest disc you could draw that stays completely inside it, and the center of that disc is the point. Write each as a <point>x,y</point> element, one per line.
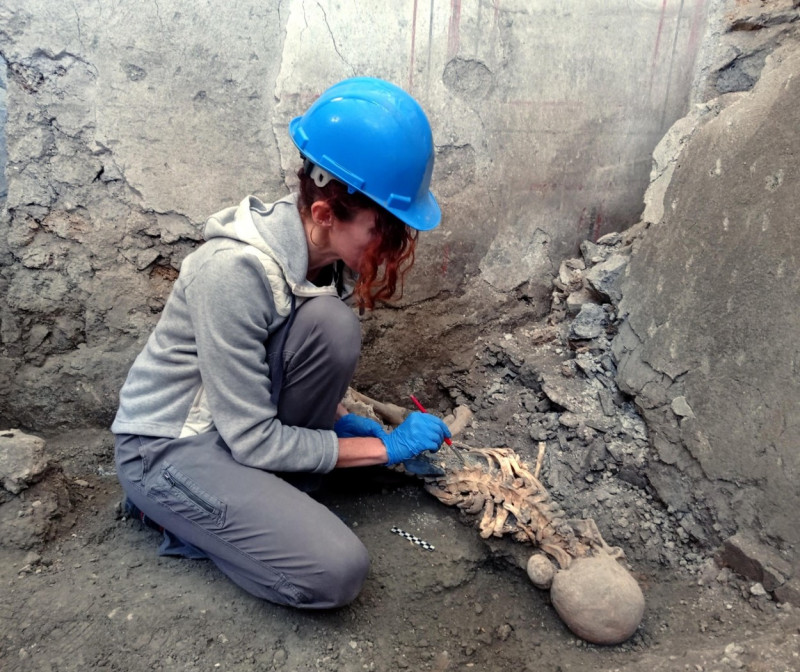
<point>418,433</point>
<point>353,425</point>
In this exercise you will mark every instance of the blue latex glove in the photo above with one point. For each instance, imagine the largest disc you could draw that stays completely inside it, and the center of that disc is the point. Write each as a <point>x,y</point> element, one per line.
<point>418,433</point>
<point>353,425</point>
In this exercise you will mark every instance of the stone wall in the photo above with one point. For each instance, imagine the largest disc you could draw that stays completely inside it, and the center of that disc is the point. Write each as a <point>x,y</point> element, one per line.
<point>130,122</point>
<point>708,346</point>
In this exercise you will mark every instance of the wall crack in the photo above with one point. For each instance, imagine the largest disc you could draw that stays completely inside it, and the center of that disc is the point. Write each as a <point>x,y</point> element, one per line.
<point>333,39</point>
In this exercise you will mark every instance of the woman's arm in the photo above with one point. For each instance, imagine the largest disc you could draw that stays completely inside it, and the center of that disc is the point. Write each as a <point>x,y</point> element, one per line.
<point>361,452</point>
<point>364,442</point>
<point>231,309</point>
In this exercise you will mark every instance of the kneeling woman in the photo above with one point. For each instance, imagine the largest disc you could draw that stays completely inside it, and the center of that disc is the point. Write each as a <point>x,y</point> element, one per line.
<point>236,393</point>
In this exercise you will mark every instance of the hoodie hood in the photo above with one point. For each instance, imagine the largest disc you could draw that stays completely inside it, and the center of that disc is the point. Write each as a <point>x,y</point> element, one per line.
<point>274,230</point>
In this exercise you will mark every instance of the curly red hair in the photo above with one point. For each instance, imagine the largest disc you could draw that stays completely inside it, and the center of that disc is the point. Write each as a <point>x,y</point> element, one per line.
<point>391,254</point>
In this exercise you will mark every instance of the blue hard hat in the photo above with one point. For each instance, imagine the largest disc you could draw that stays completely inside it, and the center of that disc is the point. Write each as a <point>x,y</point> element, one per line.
<point>374,137</point>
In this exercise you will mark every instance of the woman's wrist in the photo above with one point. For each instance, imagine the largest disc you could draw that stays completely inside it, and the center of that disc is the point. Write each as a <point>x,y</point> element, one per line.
<point>361,451</point>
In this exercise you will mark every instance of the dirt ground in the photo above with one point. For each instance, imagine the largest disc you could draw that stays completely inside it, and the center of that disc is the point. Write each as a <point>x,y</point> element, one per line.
<point>89,592</point>
<point>97,597</point>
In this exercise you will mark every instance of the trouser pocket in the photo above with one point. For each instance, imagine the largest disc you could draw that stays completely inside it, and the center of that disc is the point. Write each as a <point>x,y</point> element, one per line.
<point>187,498</point>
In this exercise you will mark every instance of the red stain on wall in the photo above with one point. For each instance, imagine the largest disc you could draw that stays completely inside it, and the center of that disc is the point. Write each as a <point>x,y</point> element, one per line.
<point>597,226</point>
<point>445,259</point>
<point>657,44</point>
<point>453,31</point>
<point>590,222</point>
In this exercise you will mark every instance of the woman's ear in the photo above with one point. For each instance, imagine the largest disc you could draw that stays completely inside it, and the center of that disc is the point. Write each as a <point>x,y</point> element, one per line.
<point>322,213</point>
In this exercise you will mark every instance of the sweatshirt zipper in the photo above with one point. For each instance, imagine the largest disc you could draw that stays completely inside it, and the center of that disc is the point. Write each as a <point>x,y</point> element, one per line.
<point>186,491</point>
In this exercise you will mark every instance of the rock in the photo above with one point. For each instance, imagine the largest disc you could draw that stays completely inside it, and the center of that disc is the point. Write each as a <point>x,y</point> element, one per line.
<point>573,395</point>
<point>681,408</point>
<point>751,559</point>
<point>279,658</point>
<point>28,524</point>
<point>569,420</point>
<point>610,239</point>
<point>605,277</point>
<point>598,599</point>
<point>503,632</point>
<point>576,300</point>
<point>32,558</point>
<point>570,273</point>
<point>589,323</point>
<point>789,592</point>
<point>594,254</point>
<point>22,460</point>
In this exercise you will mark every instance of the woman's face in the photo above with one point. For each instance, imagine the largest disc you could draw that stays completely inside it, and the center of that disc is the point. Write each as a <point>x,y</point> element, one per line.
<point>351,239</point>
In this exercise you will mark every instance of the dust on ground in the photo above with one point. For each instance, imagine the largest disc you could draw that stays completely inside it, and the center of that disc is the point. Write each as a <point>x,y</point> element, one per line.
<point>98,597</point>
<point>85,589</point>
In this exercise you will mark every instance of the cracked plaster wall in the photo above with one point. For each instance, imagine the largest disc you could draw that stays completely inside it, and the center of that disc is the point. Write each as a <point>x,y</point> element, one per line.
<point>3,113</point>
<point>130,122</point>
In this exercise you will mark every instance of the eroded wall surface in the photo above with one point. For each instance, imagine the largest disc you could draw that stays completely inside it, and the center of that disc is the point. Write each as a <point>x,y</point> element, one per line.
<point>709,346</point>
<point>130,122</point>
<point>127,124</point>
<point>3,114</point>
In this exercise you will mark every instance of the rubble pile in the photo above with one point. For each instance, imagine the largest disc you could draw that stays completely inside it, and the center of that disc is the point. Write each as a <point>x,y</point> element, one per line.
<point>33,494</point>
<point>554,382</point>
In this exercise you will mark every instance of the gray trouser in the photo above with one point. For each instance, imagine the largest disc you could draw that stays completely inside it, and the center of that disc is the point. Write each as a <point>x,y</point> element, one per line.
<point>268,536</point>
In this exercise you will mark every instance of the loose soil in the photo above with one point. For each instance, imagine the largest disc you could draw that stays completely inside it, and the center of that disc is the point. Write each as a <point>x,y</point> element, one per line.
<point>98,597</point>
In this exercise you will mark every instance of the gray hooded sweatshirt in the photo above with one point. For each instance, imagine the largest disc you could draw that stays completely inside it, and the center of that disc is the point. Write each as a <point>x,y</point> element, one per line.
<point>205,366</point>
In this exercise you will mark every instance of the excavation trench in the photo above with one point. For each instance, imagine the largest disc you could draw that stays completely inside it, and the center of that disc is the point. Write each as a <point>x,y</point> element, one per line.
<point>645,379</point>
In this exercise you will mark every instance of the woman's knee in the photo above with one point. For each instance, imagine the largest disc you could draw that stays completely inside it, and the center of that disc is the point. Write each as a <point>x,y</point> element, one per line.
<point>333,326</point>
<point>341,578</point>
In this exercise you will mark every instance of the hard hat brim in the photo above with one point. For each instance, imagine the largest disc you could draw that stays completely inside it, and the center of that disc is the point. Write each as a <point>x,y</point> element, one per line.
<point>422,214</point>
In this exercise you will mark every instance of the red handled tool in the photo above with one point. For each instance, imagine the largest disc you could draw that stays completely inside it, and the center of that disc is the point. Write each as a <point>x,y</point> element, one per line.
<point>422,408</point>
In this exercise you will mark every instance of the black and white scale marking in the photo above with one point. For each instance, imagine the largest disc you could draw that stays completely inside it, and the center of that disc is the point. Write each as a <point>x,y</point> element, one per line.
<point>416,540</point>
